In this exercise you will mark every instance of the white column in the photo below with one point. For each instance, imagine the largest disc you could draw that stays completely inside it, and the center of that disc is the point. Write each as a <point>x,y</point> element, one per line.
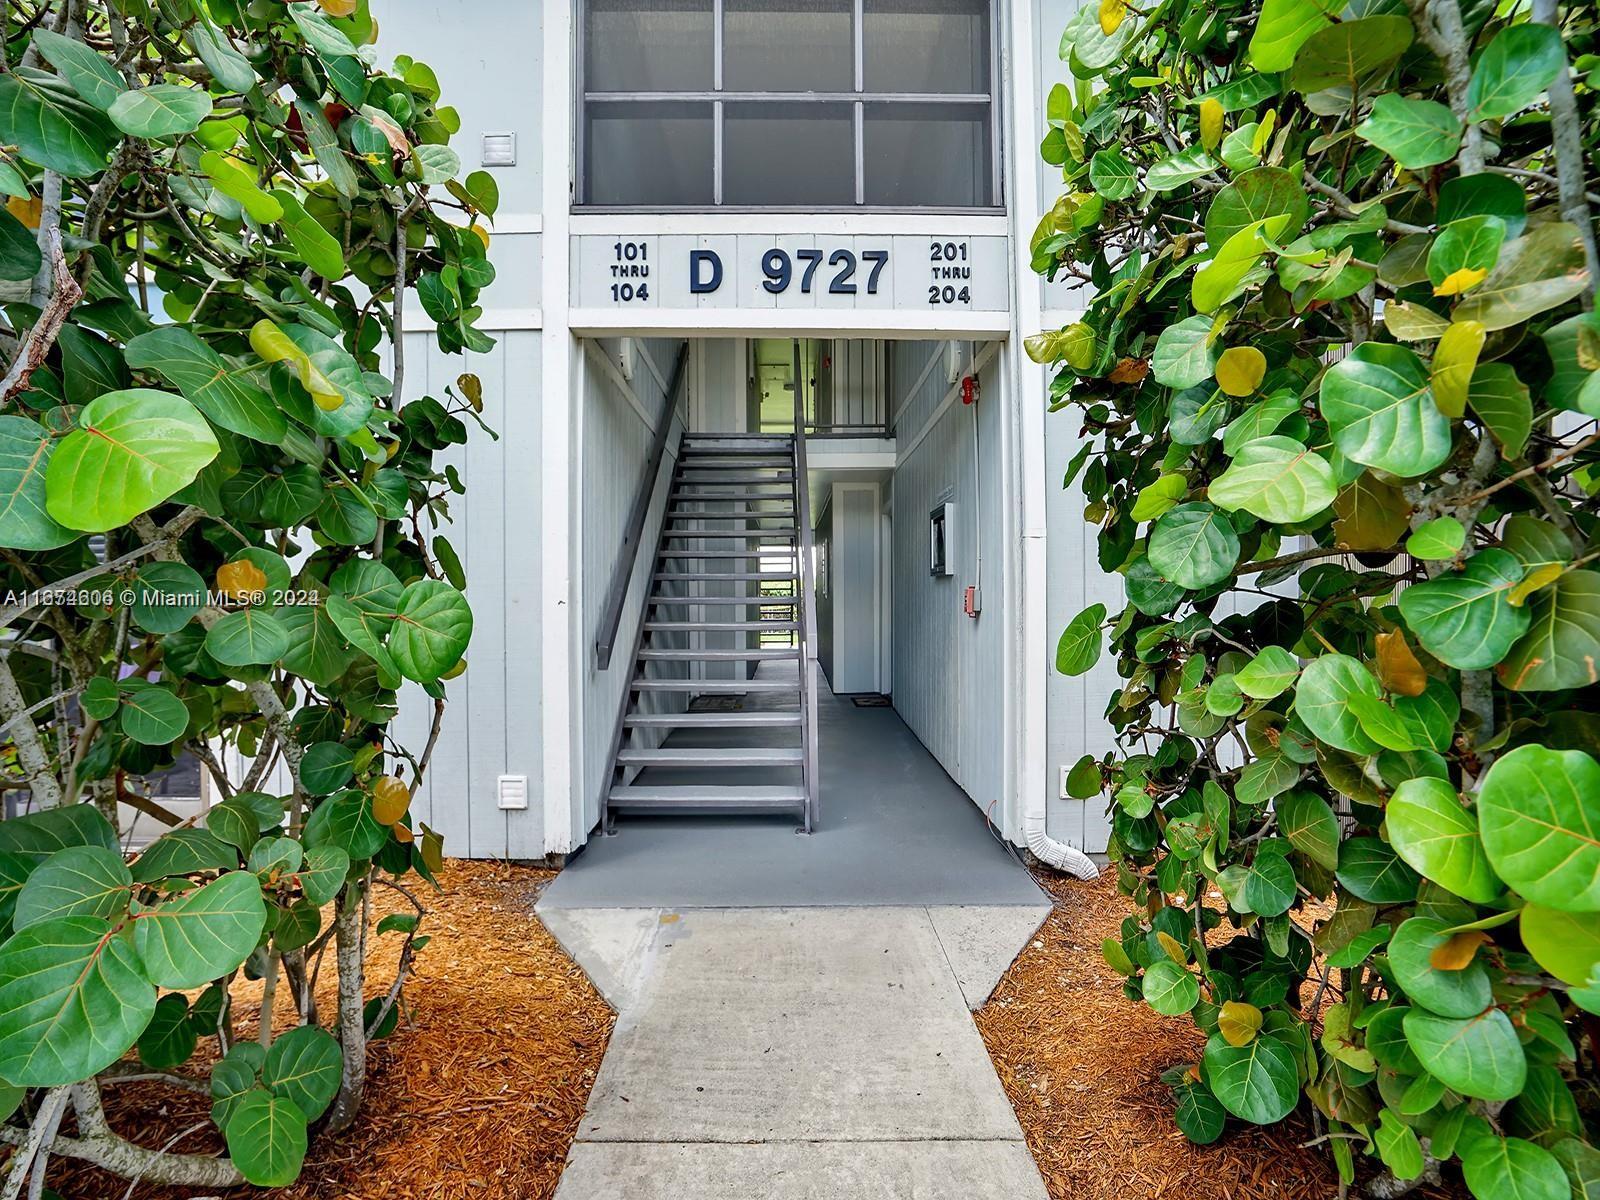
<point>561,790</point>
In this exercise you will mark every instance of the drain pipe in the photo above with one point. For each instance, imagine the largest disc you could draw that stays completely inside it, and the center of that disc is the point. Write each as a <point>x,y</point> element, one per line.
<point>1057,854</point>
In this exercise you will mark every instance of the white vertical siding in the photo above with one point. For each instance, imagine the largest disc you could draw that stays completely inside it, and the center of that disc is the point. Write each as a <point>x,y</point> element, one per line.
<point>616,446</point>
<point>492,715</point>
<point>946,676</point>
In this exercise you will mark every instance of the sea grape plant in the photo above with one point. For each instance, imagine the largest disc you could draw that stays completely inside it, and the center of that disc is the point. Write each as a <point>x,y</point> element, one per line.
<point>1338,381</point>
<point>219,543</point>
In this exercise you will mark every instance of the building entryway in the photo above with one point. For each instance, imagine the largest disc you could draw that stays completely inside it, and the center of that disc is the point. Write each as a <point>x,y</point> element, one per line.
<point>895,829</point>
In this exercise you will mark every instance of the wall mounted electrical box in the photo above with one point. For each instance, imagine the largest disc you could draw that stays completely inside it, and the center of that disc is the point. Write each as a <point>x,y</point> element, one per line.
<point>941,529</point>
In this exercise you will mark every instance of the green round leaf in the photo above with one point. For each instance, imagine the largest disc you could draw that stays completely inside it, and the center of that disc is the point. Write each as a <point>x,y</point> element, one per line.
<point>1079,647</point>
<point>1514,69</point>
<point>1470,244</point>
<point>25,524</point>
<point>1169,989</point>
<point>323,873</point>
<point>304,1066</point>
<point>345,821</point>
<point>1276,479</point>
<point>1430,828</point>
<point>45,120</point>
<point>1464,993</point>
<point>161,110</point>
<point>1186,353</point>
<point>90,74</point>
<point>130,451</point>
<point>1257,195</point>
<point>1268,674</point>
<point>1398,1146</point>
<point>326,767</point>
<point>317,650</point>
<point>1322,701</point>
<point>1306,819</point>
<point>1537,812</point>
<point>1350,53</point>
<point>1564,943</point>
<point>202,935</point>
<point>184,852</point>
<point>432,627</point>
<point>1380,410</point>
<point>168,595</point>
<point>1258,1083</point>
<point>81,881</point>
<point>1465,618</point>
<point>1370,870</point>
<point>170,1038</point>
<point>1437,540</point>
<point>1498,1168</point>
<point>226,391</point>
<point>233,822</point>
<point>73,1000</point>
<point>1477,1056</point>
<point>266,1137</point>
<point>1199,1115</point>
<point>1269,882</point>
<point>1193,546</point>
<point>153,716</point>
<point>1561,648</point>
<point>249,637</point>
<point>1415,133</point>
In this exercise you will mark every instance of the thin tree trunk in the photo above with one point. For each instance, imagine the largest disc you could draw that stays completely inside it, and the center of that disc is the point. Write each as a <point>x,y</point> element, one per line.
<point>349,959</point>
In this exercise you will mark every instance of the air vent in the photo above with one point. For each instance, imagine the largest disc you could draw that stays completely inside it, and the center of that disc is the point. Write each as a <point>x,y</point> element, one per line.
<point>513,791</point>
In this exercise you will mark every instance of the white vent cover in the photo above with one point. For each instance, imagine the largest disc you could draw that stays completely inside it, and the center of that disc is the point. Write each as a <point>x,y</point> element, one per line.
<point>499,150</point>
<point>513,791</point>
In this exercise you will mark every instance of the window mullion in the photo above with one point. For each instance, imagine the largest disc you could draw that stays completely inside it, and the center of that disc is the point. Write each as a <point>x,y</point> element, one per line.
<point>858,42</point>
<point>718,47</point>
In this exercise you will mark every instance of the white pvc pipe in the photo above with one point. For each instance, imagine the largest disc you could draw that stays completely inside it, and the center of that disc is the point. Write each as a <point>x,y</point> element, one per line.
<point>1047,849</point>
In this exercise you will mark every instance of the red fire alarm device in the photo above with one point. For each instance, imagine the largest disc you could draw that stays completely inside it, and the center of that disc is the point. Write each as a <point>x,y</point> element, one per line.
<point>969,389</point>
<point>970,602</point>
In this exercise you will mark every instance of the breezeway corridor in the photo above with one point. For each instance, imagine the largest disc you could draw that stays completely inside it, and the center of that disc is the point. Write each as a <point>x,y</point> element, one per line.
<point>894,829</point>
<point>793,1011</point>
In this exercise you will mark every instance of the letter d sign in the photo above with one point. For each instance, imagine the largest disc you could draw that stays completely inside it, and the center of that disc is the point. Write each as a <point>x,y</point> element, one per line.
<point>705,271</point>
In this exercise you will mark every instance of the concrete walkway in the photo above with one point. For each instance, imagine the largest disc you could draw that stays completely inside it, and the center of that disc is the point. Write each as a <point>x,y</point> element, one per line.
<point>818,1053</point>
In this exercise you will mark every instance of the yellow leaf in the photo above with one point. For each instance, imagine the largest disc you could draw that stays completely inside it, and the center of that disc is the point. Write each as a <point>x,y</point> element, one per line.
<point>1112,13</point>
<point>1457,953</point>
<point>472,388</point>
<point>1210,123</point>
<point>274,345</point>
<point>1454,360</point>
<point>338,8</point>
<point>1239,1022</point>
<point>1240,370</point>
<point>390,799</point>
<point>1398,668</point>
<point>1264,131</point>
<point>483,234</point>
<point>1173,947</point>
<point>241,579</point>
<point>1534,580</point>
<point>1463,280</point>
<point>27,209</point>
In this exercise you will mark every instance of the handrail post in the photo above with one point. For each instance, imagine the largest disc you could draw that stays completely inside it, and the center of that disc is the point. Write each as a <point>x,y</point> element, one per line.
<point>808,624</point>
<point>632,538</point>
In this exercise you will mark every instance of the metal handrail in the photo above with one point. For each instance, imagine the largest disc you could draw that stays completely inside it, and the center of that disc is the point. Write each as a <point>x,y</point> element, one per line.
<point>632,538</point>
<point>808,624</point>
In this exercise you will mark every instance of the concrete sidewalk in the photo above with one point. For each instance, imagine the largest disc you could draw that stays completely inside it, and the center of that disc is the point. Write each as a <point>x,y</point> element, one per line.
<point>797,1054</point>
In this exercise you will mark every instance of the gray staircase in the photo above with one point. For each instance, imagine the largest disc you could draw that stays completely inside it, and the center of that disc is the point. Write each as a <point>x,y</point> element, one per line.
<point>720,710</point>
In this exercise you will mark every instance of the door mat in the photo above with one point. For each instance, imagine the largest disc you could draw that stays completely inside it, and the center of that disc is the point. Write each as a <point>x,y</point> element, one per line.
<point>871,701</point>
<point>717,704</point>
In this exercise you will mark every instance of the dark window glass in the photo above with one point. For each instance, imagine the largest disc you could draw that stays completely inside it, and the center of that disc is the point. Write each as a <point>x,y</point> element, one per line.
<point>787,46</point>
<point>656,154</point>
<point>788,154</point>
<point>648,46</point>
<point>930,46</point>
<point>937,155</point>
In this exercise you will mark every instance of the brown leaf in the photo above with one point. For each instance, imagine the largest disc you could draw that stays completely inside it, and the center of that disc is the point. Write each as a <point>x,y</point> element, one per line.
<point>338,8</point>
<point>1372,515</point>
<point>1457,953</point>
<point>1398,668</point>
<point>1130,370</point>
<point>27,209</point>
<point>471,388</point>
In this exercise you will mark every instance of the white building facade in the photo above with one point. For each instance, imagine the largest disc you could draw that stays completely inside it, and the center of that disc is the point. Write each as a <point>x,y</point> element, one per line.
<point>829,199</point>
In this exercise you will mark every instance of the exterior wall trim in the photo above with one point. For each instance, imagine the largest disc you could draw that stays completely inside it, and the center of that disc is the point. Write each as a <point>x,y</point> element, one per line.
<point>723,221</point>
<point>735,322</point>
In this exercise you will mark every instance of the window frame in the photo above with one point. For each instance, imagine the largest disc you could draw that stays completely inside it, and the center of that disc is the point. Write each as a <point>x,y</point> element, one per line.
<point>858,98</point>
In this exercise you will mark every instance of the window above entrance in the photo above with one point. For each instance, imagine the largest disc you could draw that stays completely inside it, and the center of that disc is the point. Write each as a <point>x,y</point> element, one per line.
<point>788,104</point>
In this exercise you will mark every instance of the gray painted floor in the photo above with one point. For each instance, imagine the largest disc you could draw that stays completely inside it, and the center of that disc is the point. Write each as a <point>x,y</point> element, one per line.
<point>797,1054</point>
<point>895,830</point>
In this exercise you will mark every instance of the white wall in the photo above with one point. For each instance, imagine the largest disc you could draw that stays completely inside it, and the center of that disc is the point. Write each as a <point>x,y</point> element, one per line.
<point>946,678</point>
<point>855,605</point>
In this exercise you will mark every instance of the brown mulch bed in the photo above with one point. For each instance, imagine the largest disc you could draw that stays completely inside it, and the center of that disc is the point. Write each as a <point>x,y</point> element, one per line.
<point>1082,1065</point>
<point>478,1094</point>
